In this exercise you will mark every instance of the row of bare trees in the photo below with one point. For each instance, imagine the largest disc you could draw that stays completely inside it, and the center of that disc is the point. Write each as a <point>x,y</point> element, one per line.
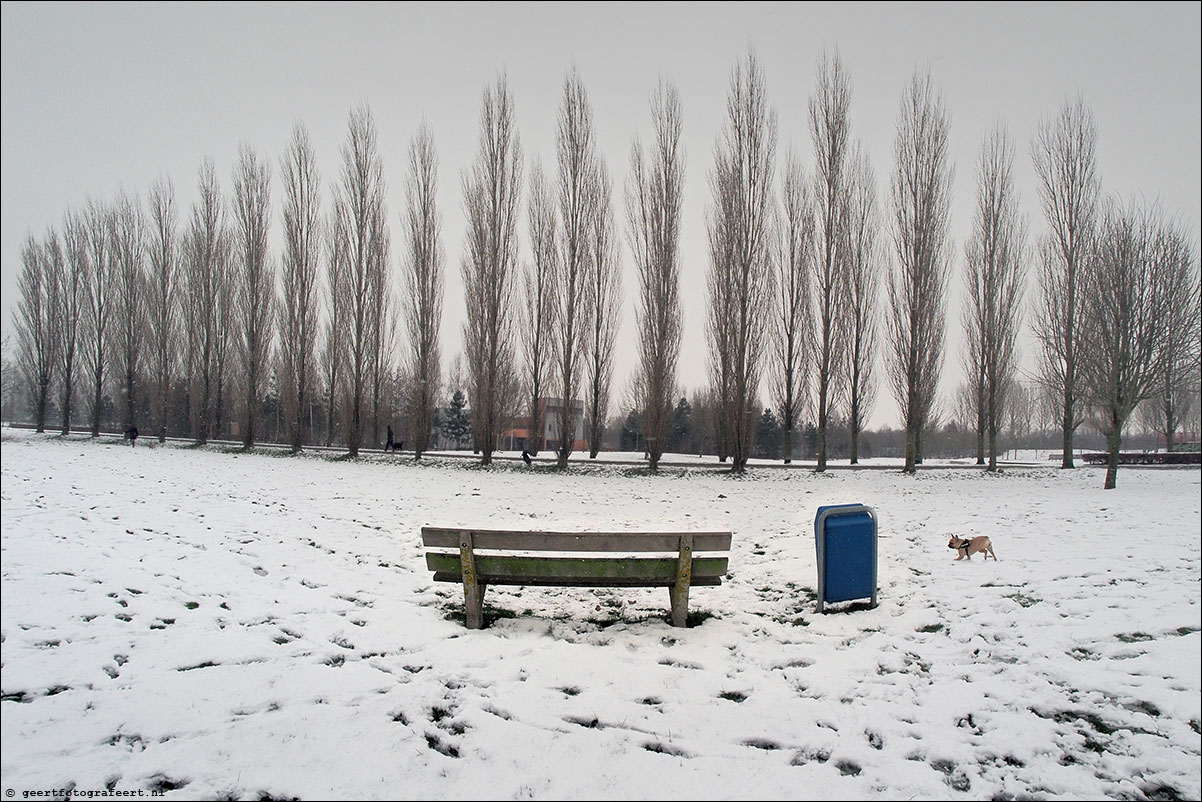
<point>1119,292</point>
<point>795,272</point>
<point>82,307</point>
<point>1118,321</point>
<point>212,312</point>
<point>569,291</point>
<point>198,318</point>
<point>201,316</point>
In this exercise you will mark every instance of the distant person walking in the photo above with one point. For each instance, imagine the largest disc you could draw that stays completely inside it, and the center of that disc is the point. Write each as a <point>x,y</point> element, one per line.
<point>390,445</point>
<point>132,435</point>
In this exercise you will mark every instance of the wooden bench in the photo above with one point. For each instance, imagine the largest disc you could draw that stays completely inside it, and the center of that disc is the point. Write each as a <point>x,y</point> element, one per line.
<point>482,557</point>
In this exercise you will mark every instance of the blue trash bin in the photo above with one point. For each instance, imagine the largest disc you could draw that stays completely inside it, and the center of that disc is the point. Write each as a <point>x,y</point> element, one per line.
<point>845,536</point>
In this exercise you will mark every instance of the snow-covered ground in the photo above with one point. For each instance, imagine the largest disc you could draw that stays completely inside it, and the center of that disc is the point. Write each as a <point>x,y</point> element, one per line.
<point>223,625</point>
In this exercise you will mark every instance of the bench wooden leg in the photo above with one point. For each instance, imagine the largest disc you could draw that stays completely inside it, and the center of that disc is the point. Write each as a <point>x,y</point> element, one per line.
<point>474,605</point>
<point>680,606</point>
<point>684,577</point>
<point>473,589</point>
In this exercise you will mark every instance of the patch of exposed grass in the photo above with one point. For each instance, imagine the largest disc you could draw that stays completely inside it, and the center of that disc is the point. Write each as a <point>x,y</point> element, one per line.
<point>1024,600</point>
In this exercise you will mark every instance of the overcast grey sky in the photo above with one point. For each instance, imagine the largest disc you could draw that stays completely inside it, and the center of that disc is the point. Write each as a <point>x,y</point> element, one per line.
<point>99,97</point>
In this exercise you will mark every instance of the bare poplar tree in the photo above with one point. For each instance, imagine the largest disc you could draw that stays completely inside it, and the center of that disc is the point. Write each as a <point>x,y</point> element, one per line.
<point>1021,410</point>
<point>72,297</point>
<point>830,128</point>
<point>423,293</point>
<point>996,263</point>
<point>740,280</point>
<point>862,251</point>
<point>383,318</point>
<point>575,145</point>
<point>491,192</point>
<point>654,192</point>
<point>9,378</point>
<point>162,305</point>
<point>791,328</point>
<point>1177,384</point>
<point>226,329</point>
<point>1132,314</point>
<point>34,323</point>
<point>128,243</point>
<point>98,307</point>
<point>964,410</point>
<point>921,195</point>
<point>299,285</point>
<point>205,260</point>
<point>974,352</point>
<point>255,283</point>
<point>360,205</point>
<point>335,330</point>
<point>720,286</point>
<point>603,296</point>
<point>191,332</point>
<point>539,312</point>
<point>1063,153</point>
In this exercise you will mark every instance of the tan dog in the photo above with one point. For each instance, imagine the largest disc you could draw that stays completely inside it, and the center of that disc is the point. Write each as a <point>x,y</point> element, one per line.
<point>966,548</point>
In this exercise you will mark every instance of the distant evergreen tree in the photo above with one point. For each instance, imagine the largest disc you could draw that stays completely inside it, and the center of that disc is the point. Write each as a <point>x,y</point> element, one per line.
<point>811,440</point>
<point>768,436</point>
<point>458,425</point>
<point>681,428</point>
<point>628,440</point>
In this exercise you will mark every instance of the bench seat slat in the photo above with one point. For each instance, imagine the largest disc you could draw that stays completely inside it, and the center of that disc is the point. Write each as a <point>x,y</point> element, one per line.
<point>580,571</point>
<point>440,537</point>
<point>579,582</point>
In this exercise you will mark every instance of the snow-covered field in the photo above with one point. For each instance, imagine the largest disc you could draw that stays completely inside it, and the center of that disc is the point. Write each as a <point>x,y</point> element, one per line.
<point>222,625</point>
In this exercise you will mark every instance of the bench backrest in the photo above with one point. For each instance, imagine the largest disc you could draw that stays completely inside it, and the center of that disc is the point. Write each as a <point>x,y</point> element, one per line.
<point>518,540</point>
<point>524,562</point>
